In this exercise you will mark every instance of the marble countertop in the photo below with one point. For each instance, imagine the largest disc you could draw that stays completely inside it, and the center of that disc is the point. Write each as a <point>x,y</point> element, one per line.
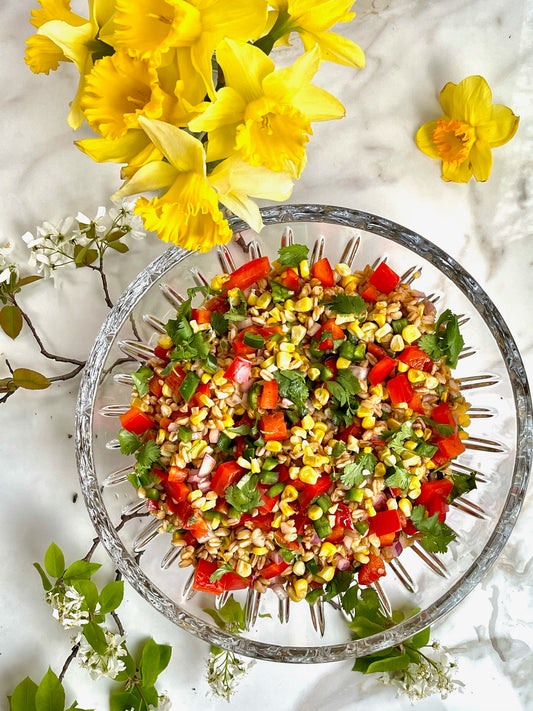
<point>369,162</point>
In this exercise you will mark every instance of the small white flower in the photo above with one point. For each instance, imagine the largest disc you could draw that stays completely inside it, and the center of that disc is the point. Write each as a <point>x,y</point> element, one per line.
<point>101,665</point>
<point>67,604</point>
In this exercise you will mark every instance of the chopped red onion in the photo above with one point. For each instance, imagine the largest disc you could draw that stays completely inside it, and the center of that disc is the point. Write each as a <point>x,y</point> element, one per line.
<point>285,402</point>
<point>207,465</point>
<point>343,564</point>
<point>313,329</point>
<point>245,323</point>
<point>279,590</point>
<point>315,539</point>
<point>359,372</point>
<point>379,499</point>
<point>214,434</point>
<point>196,435</point>
<point>173,427</point>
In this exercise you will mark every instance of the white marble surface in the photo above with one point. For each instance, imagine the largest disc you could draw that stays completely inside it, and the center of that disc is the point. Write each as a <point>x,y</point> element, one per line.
<point>370,162</point>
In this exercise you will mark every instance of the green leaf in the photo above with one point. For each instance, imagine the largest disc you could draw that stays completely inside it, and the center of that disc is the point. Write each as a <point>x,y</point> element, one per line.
<point>437,535</point>
<point>111,596</point>
<point>23,696</point>
<point>95,636</point>
<point>292,255</point>
<point>395,439</point>
<point>462,484</point>
<point>149,666</point>
<point>346,304</point>
<point>353,474</point>
<point>30,379</point>
<point>54,561</point>
<point>445,341</point>
<point>114,235</point>
<point>50,695</point>
<point>83,256</point>
<point>219,323</point>
<point>280,293</point>
<point>244,496</point>
<point>392,663</point>
<point>125,701</point>
<point>338,449</point>
<point>47,585</point>
<point>27,280</point>
<point>233,614</point>
<point>148,454</point>
<point>421,639</point>
<point>291,384</point>
<point>363,627</point>
<point>80,570</point>
<point>11,320</point>
<point>400,478</point>
<point>88,590</point>
<point>119,247</point>
<point>129,442</point>
<point>141,379</point>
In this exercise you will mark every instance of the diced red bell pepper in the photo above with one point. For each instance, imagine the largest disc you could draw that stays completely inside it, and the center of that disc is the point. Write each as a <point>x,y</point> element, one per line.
<point>343,517</point>
<point>202,389</point>
<point>381,370</point>
<point>155,387</point>
<point>437,505</point>
<point>387,539</point>
<point>409,528</point>
<point>385,522</point>
<point>443,415</point>
<point>177,474</point>
<point>262,520</point>
<point>272,570</point>
<point>354,430</point>
<point>415,403</point>
<point>135,420</point>
<point>290,279</point>
<point>162,353</point>
<point>203,316</point>
<point>336,334</point>
<point>451,447</point>
<point>370,293</point>
<point>175,378</point>
<point>283,471</point>
<point>311,491</point>
<point>377,350</point>
<point>178,490</point>
<point>269,395</point>
<point>415,358</point>
<point>229,581</point>
<point>371,571</point>
<point>217,303</point>
<point>195,522</point>
<point>239,371</point>
<point>239,346</point>
<point>273,426</point>
<point>248,274</point>
<point>225,475</point>
<point>384,278</point>
<point>268,501</point>
<point>400,389</point>
<point>437,487</point>
<point>331,363</point>
<point>336,535</point>
<point>322,270</point>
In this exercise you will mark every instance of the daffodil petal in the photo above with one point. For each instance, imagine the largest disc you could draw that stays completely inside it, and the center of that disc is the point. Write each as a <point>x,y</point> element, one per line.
<point>201,55</point>
<point>320,16</point>
<point>446,98</point>
<point>236,176</point>
<point>472,101</point>
<point>72,40</point>
<point>284,83</point>
<point>42,55</point>
<point>221,142</point>
<point>75,116</point>
<point>243,207</point>
<point>318,104</point>
<point>152,176</point>
<point>55,10</point>
<point>100,11</point>
<point>335,48</point>
<point>457,173</point>
<point>183,151</point>
<point>238,19</point>
<point>481,160</point>
<point>244,67</point>
<point>500,128</point>
<point>424,139</point>
<point>121,150</point>
<point>227,109</point>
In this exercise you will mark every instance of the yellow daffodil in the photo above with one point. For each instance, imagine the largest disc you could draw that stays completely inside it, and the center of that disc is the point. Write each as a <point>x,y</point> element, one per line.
<point>311,19</point>
<point>149,28</point>
<point>188,214</point>
<point>265,114</point>
<point>64,36</point>
<point>471,126</point>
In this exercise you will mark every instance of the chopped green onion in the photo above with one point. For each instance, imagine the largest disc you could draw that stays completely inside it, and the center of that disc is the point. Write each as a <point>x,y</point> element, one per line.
<point>324,502</point>
<point>361,527</point>
<point>184,434</point>
<point>354,494</point>
<point>312,566</point>
<point>152,494</point>
<point>269,464</point>
<point>254,340</point>
<point>322,527</point>
<point>268,477</point>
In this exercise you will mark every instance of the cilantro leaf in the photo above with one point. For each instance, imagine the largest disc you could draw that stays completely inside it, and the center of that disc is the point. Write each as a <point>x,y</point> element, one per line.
<point>291,384</point>
<point>280,292</point>
<point>399,479</point>
<point>353,474</point>
<point>292,255</point>
<point>396,441</point>
<point>244,496</point>
<point>446,341</point>
<point>346,304</point>
<point>349,382</point>
<point>237,313</point>
<point>338,449</point>
<point>148,454</point>
<point>462,484</point>
<point>443,429</point>
<point>437,535</point>
<point>141,378</point>
<point>222,570</point>
<point>179,330</point>
<point>129,442</point>
<point>338,392</point>
<point>219,324</point>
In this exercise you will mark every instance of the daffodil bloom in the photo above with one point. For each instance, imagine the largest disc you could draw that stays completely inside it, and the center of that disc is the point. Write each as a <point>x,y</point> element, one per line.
<point>311,19</point>
<point>188,213</point>
<point>64,36</point>
<point>471,126</point>
<point>149,28</point>
<point>264,114</point>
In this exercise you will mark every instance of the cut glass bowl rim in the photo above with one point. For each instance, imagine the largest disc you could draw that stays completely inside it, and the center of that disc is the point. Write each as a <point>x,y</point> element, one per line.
<point>209,632</point>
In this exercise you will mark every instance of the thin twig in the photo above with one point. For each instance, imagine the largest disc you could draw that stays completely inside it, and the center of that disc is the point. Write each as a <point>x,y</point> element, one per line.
<point>69,375</point>
<point>134,328</point>
<point>68,661</point>
<point>6,396</point>
<point>87,557</point>
<point>9,367</point>
<point>45,353</point>
<point>118,623</point>
<point>105,285</point>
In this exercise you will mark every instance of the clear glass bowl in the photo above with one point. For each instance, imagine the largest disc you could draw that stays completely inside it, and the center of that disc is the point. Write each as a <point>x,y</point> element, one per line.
<point>499,445</point>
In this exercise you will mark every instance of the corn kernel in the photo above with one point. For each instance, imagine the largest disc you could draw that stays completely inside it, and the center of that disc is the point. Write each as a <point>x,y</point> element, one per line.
<point>293,472</point>
<point>462,435</point>
<point>377,390</point>
<point>356,330</point>
<point>369,329</point>
<point>321,395</point>
<point>315,512</point>
<point>252,299</point>
<point>368,422</point>
<point>228,421</point>
<point>380,469</point>
<point>286,509</point>
<point>194,495</point>
<point>463,420</point>
<point>287,347</point>
<point>343,269</point>
<point>414,483</point>
<point>383,332</point>
<point>304,268</point>
<point>218,281</point>
<point>397,343</point>
<point>288,305</point>
<point>160,436</point>
<point>367,450</point>
<point>244,463</point>
<point>243,568</point>
<point>165,341</point>
<point>369,506</point>
<point>298,333</point>
<point>307,422</point>
<point>414,493</point>
<point>410,333</point>
<point>343,363</point>
<point>430,465</point>
<point>304,304</point>
<point>431,382</point>
<point>341,319</point>
<point>300,588</point>
<point>363,411</point>
<point>218,378</point>
<point>255,466</point>
<point>416,376</point>
<point>381,320</point>
<point>419,432</point>
<point>327,550</point>
<point>308,475</point>
<point>410,445</point>
<point>289,493</point>
<point>283,360</point>
<point>299,568</point>
<point>348,281</point>
<point>276,521</point>
<point>320,427</point>
<point>259,550</point>
<point>264,300</point>
<point>389,460</point>
<point>405,506</point>
<point>198,416</point>
<point>402,367</point>
<point>361,558</point>
<point>392,504</point>
<point>166,391</point>
<point>327,573</point>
